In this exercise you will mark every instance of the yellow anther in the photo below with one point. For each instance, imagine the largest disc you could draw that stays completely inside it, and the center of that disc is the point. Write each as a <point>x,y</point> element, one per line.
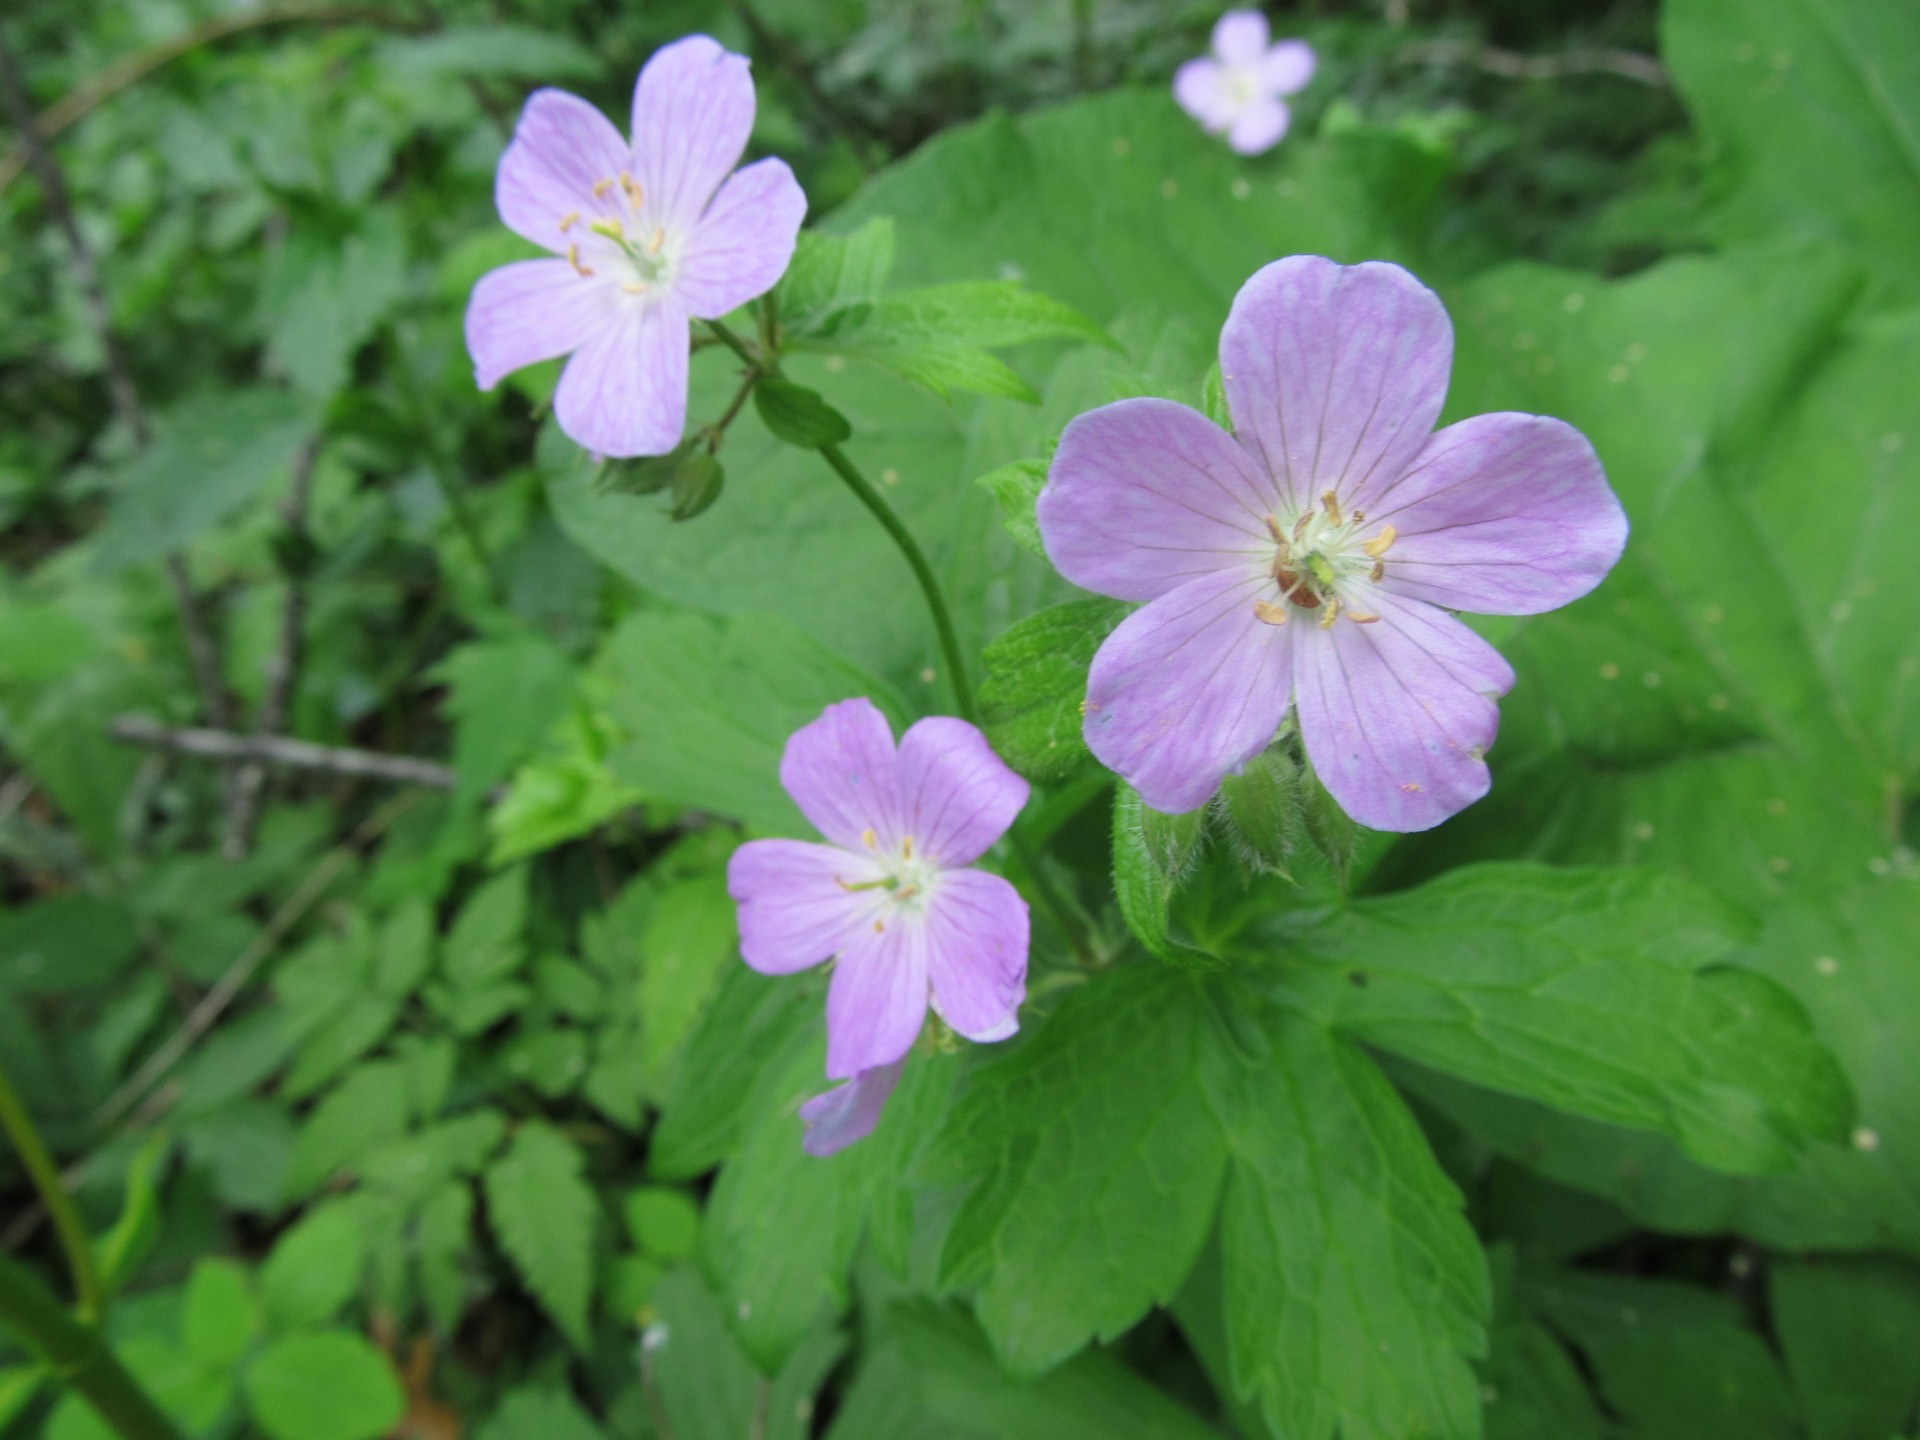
<point>1381,543</point>
<point>1412,787</point>
<point>868,838</point>
<point>906,848</point>
<point>1332,502</point>
<point>1363,617</point>
<point>600,189</point>
<point>632,187</point>
<point>1378,571</point>
<point>879,927</point>
<point>1300,525</point>
<point>1331,613</point>
<point>573,259</point>
<point>635,287</point>
<point>907,892</point>
<point>569,220</point>
<point>1279,535</point>
<point>659,239</point>
<point>609,227</point>
<point>1269,614</point>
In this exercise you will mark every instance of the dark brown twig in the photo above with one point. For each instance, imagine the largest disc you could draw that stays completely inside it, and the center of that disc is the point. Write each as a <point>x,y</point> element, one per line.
<point>232,749</point>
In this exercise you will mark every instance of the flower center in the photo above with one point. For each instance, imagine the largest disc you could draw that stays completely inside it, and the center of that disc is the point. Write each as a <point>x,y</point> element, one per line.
<point>904,883</point>
<point>618,242</point>
<point>1320,560</point>
<point>1243,88</point>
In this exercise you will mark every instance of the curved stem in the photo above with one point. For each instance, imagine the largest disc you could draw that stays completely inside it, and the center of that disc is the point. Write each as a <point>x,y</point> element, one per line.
<point>78,1355</point>
<point>89,1295</point>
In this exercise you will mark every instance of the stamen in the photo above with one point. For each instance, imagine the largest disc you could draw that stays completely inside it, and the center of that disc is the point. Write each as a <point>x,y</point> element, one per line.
<point>888,882</point>
<point>1273,525</point>
<point>907,892</point>
<point>635,287</point>
<point>632,187</point>
<point>906,848</point>
<point>1269,614</point>
<point>1362,617</point>
<point>1379,570</point>
<point>659,239</point>
<point>609,227</point>
<point>879,927</point>
<point>1295,588</point>
<point>868,838</point>
<point>1332,612</point>
<point>1300,525</point>
<point>600,189</point>
<point>573,259</point>
<point>569,220</point>
<point>1381,543</point>
<point>1332,502</point>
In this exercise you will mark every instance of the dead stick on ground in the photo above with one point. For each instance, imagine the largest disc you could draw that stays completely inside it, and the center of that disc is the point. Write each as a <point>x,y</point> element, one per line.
<point>231,749</point>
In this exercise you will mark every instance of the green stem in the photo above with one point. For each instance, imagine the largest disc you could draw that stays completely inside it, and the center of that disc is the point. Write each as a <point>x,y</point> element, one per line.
<point>89,1295</point>
<point>77,1354</point>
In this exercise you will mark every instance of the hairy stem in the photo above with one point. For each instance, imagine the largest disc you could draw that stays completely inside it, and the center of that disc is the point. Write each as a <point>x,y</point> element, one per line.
<point>89,1295</point>
<point>77,1354</point>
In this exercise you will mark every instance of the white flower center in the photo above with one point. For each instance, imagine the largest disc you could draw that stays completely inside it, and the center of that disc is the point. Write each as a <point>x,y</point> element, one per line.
<point>1321,561</point>
<point>1242,87</point>
<point>618,242</point>
<point>905,881</point>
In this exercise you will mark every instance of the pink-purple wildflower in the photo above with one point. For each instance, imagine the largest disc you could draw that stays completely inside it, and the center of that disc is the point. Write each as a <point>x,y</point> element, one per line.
<point>1237,90</point>
<point>890,898</point>
<point>649,234</point>
<point>1309,559</point>
<point>838,1117</point>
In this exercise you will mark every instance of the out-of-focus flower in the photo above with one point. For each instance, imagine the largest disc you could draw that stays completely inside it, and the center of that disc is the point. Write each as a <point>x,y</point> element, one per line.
<point>652,234</point>
<point>890,898</point>
<point>1236,91</point>
<point>847,1113</point>
<point>1310,558</point>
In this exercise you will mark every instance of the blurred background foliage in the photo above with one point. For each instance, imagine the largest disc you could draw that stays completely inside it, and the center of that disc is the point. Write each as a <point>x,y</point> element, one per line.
<point>400,1098</point>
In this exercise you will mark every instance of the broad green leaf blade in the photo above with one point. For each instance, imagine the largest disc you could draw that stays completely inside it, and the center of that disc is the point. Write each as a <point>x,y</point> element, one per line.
<point>1846,1326</point>
<point>1597,992</point>
<point>366,1108</point>
<point>543,1212</point>
<point>316,1266</point>
<point>1095,1162</point>
<point>330,1386</point>
<point>829,273</point>
<point>219,1314</point>
<point>1354,1291</point>
<point>1036,681</point>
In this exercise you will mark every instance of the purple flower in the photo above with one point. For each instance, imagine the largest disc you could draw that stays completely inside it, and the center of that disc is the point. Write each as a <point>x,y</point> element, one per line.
<point>653,234</point>
<point>890,898</point>
<point>1310,558</point>
<point>846,1113</point>
<point>1237,91</point>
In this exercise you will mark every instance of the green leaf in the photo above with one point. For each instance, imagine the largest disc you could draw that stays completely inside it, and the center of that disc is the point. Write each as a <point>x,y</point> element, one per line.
<point>505,694</point>
<point>663,1221</point>
<point>353,1030</point>
<point>444,1238</point>
<point>832,272</point>
<point>799,416</point>
<point>134,1233</point>
<point>484,946</point>
<point>1150,852</point>
<point>423,1162</point>
<point>512,52</point>
<point>366,1108</point>
<point>1036,683</point>
<point>1846,1326</point>
<point>1017,488</point>
<point>219,1316</point>
<point>1594,991</point>
<point>405,955</point>
<point>210,456</point>
<point>1095,1163</point>
<point>1354,1290</point>
<point>65,942</point>
<point>315,1267</point>
<point>325,295</point>
<point>928,1374</point>
<point>543,1213</point>
<point>1811,112</point>
<point>691,934</point>
<point>331,1386</point>
<point>709,706</point>
<point>539,1414</point>
<point>19,1384</point>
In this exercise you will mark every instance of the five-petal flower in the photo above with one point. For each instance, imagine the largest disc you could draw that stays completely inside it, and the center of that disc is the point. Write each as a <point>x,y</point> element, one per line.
<point>1310,558</point>
<point>891,898</point>
<point>652,234</point>
<point>1236,91</point>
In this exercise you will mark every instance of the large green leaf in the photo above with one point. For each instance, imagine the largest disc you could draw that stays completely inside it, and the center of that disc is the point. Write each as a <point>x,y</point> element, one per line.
<point>330,1386</point>
<point>1846,1326</point>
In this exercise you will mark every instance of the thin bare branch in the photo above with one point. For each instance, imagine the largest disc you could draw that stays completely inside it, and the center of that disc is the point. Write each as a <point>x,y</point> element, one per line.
<point>231,749</point>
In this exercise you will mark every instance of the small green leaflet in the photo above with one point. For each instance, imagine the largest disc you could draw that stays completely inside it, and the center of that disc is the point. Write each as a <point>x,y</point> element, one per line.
<point>329,1386</point>
<point>799,416</point>
<point>543,1212</point>
<point>1017,488</point>
<point>1036,679</point>
<point>829,273</point>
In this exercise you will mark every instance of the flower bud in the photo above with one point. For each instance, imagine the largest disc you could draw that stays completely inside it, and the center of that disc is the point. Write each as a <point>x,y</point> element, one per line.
<point>1265,814</point>
<point>696,484</point>
<point>647,475</point>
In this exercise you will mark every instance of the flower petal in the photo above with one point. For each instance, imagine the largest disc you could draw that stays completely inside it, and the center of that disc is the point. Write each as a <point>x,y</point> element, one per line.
<point>1258,128</point>
<point>795,911</point>
<point>744,242</point>
<point>1335,374</point>
<point>1145,495</point>
<point>625,391</point>
<point>1240,37</point>
<point>1504,515</point>
<point>529,311</point>
<point>956,796</point>
<point>692,113</point>
<point>839,770</point>
<point>1189,688</point>
<point>848,1113</point>
<point>1396,730</point>
<point>1287,67</point>
<point>561,148</point>
<point>877,1000</point>
<point>1200,89</point>
<point>977,932</point>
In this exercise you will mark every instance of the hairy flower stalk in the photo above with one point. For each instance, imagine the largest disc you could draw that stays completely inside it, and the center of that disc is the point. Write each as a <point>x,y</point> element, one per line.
<point>650,235</point>
<point>1309,559</point>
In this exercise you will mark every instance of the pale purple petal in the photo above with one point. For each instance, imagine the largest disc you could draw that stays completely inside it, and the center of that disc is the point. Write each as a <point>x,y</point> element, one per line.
<point>956,796</point>
<point>795,908</point>
<point>625,391</point>
<point>561,149</point>
<point>877,1000</point>
<point>529,311</point>
<point>1335,374</point>
<point>692,113</point>
<point>839,770</point>
<point>1190,688</point>
<point>1504,515</point>
<point>848,1113</point>
<point>743,243</point>
<point>1145,495</point>
<point>1200,89</point>
<point>1468,656</point>
<point>977,954</point>
<point>1394,730</point>
<point>1240,38</point>
<point>1287,67</point>
<point>1258,128</point>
